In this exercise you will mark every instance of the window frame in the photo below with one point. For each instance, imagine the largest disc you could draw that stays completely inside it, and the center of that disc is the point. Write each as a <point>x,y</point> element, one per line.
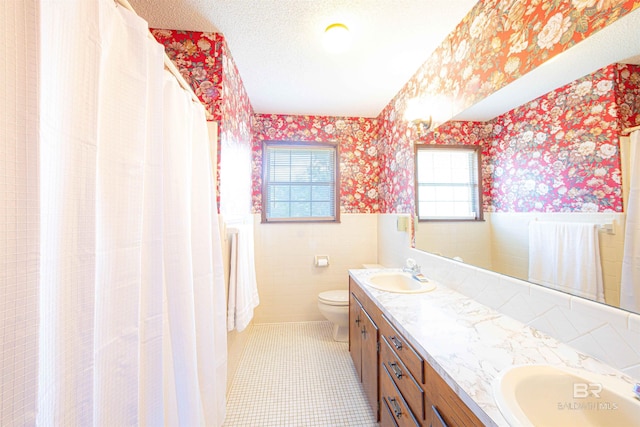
<point>478,153</point>
<point>265,181</point>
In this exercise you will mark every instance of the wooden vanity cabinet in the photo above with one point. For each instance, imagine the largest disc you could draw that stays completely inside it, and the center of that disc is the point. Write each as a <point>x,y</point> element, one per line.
<point>401,372</point>
<point>444,406</point>
<point>402,388</point>
<point>395,400</point>
<point>363,343</point>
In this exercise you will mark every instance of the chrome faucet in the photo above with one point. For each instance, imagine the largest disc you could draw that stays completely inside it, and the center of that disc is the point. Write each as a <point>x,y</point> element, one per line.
<point>411,266</point>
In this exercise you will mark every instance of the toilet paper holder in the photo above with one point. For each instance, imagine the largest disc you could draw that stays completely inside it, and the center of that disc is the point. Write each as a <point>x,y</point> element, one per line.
<point>321,260</point>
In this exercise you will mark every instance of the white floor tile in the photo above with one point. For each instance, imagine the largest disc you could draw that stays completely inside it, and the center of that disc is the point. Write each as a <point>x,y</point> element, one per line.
<point>294,374</point>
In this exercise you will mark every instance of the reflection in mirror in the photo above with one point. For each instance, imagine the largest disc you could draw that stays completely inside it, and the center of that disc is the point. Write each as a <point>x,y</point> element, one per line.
<point>553,159</point>
<point>448,182</point>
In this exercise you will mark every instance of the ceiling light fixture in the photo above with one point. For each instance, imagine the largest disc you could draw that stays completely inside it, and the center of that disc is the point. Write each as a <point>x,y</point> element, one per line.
<point>337,38</point>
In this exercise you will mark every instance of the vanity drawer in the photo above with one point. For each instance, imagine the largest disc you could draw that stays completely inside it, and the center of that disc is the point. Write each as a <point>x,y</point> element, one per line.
<point>445,407</point>
<point>392,397</point>
<point>401,347</point>
<point>387,418</point>
<point>402,378</point>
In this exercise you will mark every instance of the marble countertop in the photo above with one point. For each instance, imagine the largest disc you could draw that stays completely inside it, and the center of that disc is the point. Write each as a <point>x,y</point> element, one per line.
<point>469,344</point>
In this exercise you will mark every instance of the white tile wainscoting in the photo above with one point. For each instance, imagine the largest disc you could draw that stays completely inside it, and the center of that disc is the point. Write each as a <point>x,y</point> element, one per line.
<point>288,280</point>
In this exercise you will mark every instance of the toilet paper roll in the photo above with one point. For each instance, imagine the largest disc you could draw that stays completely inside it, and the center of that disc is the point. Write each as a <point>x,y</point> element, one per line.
<point>322,262</point>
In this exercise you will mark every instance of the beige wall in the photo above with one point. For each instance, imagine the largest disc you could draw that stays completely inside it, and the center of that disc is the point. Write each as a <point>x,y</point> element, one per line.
<point>501,243</point>
<point>464,239</point>
<point>288,281</point>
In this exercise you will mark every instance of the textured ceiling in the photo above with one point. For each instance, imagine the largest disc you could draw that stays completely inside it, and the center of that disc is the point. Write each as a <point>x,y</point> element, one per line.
<point>277,47</point>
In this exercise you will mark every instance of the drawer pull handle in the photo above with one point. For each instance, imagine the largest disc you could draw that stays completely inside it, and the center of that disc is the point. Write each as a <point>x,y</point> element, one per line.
<point>396,343</point>
<point>395,406</point>
<point>358,320</point>
<point>396,371</point>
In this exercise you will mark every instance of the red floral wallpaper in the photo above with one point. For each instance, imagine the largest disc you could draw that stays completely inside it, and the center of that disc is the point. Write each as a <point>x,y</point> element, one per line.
<point>559,153</point>
<point>501,40</point>
<point>198,56</point>
<point>395,144</point>
<point>359,163</point>
<point>206,63</point>
<point>628,94</point>
<point>496,43</point>
<point>236,109</point>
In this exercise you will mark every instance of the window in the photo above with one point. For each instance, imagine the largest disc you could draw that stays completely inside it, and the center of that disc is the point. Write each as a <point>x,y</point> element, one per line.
<point>448,184</point>
<point>300,182</point>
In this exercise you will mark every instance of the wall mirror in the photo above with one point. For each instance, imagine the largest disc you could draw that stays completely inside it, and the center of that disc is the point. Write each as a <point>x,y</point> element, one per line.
<point>500,243</point>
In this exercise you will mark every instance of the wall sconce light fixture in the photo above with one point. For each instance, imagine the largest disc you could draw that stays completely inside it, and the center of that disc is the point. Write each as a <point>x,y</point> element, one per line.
<point>417,114</point>
<point>423,125</point>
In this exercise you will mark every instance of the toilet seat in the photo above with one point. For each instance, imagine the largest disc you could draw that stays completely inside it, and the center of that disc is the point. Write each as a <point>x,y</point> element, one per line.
<point>337,298</point>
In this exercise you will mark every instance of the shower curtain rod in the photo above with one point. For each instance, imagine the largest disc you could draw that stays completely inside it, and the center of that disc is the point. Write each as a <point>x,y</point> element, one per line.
<point>168,64</point>
<point>629,130</point>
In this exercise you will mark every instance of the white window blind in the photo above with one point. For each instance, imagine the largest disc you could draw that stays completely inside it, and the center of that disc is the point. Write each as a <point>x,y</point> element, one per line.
<point>447,183</point>
<point>299,182</point>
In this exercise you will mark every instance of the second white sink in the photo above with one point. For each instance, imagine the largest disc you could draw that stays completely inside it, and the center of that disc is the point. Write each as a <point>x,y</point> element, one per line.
<point>399,282</point>
<point>542,395</point>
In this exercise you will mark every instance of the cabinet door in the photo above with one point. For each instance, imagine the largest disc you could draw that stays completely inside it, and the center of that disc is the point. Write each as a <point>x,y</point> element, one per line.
<point>355,334</point>
<point>369,337</point>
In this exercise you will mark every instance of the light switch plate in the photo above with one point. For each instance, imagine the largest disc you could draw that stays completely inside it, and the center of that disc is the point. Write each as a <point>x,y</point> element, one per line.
<point>403,223</point>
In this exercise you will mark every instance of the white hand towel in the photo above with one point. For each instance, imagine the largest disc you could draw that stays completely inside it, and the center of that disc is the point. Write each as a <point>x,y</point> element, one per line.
<point>243,287</point>
<point>566,256</point>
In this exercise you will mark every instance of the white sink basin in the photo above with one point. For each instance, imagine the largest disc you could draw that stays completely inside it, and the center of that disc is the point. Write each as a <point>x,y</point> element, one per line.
<point>541,395</point>
<point>399,282</point>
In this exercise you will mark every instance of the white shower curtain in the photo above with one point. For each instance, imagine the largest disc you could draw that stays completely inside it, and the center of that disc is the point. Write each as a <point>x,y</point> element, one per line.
<point>196,337</point>
<point>630,283</point>
<point>125,323</point>
<point>19,211</point>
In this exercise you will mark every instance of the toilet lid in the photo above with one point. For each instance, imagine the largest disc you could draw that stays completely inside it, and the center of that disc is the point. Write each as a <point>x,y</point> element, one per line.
<point>340,297</point>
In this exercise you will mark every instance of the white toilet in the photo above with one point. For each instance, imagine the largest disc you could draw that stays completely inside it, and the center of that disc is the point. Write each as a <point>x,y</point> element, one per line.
<point>334,306</point>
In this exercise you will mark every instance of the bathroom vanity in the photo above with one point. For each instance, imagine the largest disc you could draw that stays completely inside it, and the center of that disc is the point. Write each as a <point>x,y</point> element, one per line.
<point>363,341</point>
<point>402,388</point>
<point>435,358</point>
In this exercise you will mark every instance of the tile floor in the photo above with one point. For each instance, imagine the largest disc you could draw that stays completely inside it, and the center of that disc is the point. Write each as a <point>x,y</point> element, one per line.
<point>294,374</point>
